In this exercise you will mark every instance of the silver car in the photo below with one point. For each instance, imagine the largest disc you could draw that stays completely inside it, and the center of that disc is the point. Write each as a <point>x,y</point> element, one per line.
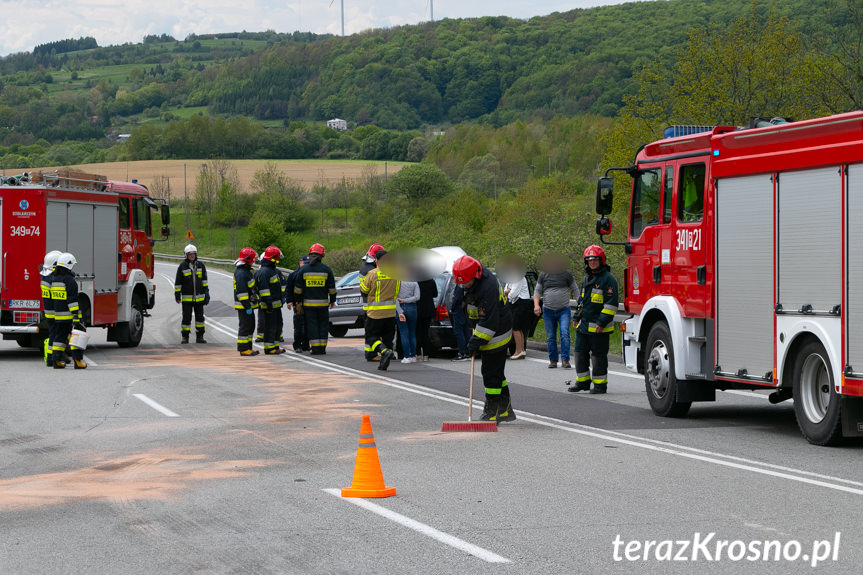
<point>348,312</point>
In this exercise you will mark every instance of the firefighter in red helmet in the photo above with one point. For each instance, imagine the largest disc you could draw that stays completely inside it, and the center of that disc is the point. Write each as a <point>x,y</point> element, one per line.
<point>269,287</point>
<point>245,301</point>
<point>598,304</point>
<point>314,295</point>
<point>491,319</point>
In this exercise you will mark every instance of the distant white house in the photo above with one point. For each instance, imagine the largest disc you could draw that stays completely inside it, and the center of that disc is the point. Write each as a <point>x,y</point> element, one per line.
<point>337,124</point>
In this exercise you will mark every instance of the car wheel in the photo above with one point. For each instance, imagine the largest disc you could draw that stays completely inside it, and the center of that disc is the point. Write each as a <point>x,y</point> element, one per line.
<point>338,330</point>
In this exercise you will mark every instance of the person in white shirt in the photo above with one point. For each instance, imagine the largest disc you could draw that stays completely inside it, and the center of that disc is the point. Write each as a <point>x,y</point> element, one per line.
<point>518,296</point>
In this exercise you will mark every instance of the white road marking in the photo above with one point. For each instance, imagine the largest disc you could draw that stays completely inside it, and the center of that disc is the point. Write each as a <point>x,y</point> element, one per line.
<point>89,361</point>
<point>754,466</point>
<point>423,529</point>
<point>160,408</point>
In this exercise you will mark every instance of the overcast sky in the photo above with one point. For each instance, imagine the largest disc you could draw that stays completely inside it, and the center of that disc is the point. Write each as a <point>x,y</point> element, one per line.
<point>27,23</point>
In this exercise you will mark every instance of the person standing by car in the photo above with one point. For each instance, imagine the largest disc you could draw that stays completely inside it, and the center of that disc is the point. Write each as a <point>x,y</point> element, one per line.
<point>245,301</point>
<point>314,295</point>
<point>598,301</point>
<point>192,291</point>
<point>518,297</point>
<point>555,287</point>
<point>381,291</point>
<point>406,309</point>
<point>425,313</point>
<point>301,342</point>
<point>492,329</point>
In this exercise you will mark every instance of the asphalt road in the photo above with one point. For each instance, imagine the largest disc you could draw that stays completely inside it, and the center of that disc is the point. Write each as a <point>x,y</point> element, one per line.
<point>172,458</point>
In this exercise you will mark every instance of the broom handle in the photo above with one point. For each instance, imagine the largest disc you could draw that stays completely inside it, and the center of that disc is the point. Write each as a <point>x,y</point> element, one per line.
<point>470,392</point>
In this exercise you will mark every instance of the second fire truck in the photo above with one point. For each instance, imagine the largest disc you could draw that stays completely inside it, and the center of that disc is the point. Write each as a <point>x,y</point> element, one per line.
<point>744,268</point>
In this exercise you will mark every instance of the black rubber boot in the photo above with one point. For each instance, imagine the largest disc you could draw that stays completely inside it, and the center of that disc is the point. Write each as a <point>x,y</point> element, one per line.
<point>505,411</point>
<point>199,338</point>
<point>386,356</point>
<point>599,388</point>
<point>580,386</point>
<point>184,338</point>
<point>491,409</point>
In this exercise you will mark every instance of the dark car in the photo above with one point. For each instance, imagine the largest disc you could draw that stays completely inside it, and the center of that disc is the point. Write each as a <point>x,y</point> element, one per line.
<point>348,312</point>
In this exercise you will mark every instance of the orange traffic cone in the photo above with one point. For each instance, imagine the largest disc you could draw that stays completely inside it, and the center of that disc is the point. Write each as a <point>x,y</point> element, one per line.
<point>368,477</point>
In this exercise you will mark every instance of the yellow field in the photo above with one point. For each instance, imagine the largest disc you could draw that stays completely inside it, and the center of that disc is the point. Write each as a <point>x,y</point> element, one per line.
<point>183,173</point>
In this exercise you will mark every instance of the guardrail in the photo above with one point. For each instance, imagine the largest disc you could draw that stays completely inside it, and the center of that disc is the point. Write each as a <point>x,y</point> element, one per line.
<point>213,261</point>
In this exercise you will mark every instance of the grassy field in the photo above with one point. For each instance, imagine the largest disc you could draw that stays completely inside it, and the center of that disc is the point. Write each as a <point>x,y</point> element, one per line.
<point>183,173</point>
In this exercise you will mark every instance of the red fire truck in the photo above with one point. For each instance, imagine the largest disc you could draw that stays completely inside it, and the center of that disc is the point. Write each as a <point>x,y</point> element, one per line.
<point>744,268</point>
<point>106,225</point>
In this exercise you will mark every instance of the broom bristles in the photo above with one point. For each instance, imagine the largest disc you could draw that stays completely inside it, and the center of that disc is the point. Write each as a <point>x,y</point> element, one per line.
<point>469,426</point>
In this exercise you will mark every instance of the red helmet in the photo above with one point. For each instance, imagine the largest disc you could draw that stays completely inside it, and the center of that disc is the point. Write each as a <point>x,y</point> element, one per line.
<point>594,251</point>
<point>373,249</point>
<point>248,255</point>
<point>316,249</point>
<point>272,253</point>
<point>465,269</point>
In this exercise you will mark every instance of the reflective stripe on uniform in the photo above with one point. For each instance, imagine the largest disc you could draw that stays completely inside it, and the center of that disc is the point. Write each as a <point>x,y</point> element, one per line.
<point>483,333</point>
<point>316,302</point>
<point>497,342</point>
<point>596,328</point>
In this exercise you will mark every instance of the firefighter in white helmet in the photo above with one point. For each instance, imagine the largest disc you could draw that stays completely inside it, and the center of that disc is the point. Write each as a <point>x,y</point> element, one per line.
<point>64,296</point>
<point>192,291</point>
<point>47,273</point>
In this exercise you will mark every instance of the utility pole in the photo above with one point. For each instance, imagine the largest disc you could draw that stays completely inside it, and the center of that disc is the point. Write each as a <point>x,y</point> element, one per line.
<point>431,4</point>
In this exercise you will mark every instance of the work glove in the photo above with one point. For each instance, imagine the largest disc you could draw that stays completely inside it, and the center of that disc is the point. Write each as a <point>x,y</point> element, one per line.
<point>249,311</point>
<point>207,297</point>
<point>177,297</point>
<point>473,345</point>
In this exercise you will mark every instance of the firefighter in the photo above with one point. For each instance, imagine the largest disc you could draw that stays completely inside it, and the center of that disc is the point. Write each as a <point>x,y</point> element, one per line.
<point>47,272</point>
<point>269,286</point>
<point>598,303</point>
<point>193,292</point>
<point>491,320</point>
<point>64,297</point>
<point>380,291</point>
<point>245,301</point>
<point>301,342</point>
<point>314,296</point>
<point>369,260</point>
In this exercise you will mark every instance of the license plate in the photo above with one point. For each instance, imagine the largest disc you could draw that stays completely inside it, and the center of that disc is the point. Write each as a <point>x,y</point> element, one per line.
<point>25,303</point>
<point>348,300</point>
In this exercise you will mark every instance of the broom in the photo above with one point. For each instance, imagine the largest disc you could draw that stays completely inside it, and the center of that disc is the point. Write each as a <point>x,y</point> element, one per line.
<point>469,425</point>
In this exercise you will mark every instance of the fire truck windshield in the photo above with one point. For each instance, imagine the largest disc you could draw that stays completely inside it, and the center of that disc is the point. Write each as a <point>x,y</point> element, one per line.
<point>645,201</point>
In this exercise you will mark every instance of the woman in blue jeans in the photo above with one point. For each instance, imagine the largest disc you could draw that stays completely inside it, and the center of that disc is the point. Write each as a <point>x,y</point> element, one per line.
<point>555,286</point>
<point>406,308</point>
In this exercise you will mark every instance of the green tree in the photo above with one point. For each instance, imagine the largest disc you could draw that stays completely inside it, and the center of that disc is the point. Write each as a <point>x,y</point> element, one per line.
<point>419,182</point>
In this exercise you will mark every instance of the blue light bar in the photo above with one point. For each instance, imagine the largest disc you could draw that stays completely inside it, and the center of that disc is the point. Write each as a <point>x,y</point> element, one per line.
<point>715,153</point>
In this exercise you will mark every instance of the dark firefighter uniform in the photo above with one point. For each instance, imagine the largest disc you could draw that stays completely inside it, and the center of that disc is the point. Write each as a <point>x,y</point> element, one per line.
<point>314,292</point>
<point>301,342</point>
<point>598,301</point>
<point>48,306</point>
<point>193,292</point>
<point>485,304</point>
<point>245,302</point>
<point>268,283</point>
<point>380,292</point>
<point>64,298</point>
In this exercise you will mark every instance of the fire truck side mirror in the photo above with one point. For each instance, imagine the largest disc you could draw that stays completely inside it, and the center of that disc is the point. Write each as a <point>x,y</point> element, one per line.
<point>165,212</point>
<point>604,196</point>
<point>603,226</point>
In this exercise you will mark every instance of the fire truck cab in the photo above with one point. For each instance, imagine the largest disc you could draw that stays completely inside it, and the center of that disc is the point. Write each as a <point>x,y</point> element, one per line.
<point>105,224</point>
<point>744,268</point>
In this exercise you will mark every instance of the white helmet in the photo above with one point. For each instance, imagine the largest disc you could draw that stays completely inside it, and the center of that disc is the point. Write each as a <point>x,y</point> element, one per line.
<point>66,260</point>
<point>50,262</point>
<point>190,249</point>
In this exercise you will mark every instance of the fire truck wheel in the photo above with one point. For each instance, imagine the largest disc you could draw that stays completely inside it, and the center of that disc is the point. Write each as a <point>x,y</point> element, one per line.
<point>136,324</point>
<point>659,379</point>
<point>816,404</point>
